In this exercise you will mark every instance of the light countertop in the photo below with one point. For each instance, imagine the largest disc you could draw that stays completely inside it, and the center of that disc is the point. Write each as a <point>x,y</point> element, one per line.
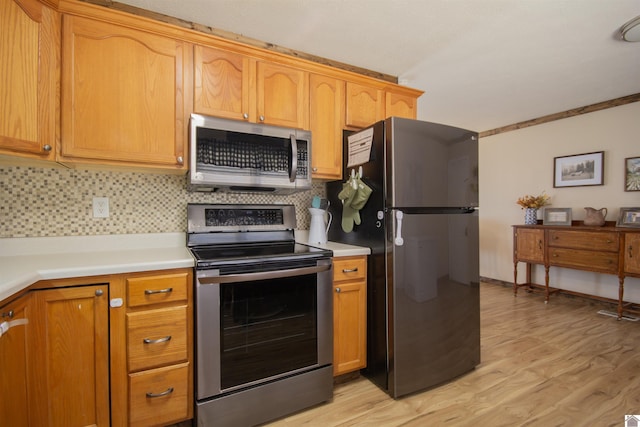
<point>24,261</point>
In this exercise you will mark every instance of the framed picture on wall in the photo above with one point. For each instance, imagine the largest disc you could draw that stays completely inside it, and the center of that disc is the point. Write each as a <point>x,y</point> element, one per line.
<point>632,174</point>
<point>579,170</point>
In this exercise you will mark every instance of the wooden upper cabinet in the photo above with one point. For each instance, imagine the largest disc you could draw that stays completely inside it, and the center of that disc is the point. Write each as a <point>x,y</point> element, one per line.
<point>282,95</point>
<point>400,105</point>
<point>29,33</point>
<point>236,86</point>
<point>326,119</point>
<point>364,105</point>
<point>122,95</point>
<point>222,84</point>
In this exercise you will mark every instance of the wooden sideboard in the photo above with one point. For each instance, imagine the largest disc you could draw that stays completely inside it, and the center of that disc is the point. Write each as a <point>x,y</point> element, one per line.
<point>608,249</point>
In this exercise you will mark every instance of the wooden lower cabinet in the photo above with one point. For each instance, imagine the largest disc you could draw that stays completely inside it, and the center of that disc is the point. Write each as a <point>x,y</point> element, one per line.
<point>632,254</point>
<point>349,314</point>
<point>69,357</point>
<point>156,371</point>
<point>14,400</point>
<point>114,350</point>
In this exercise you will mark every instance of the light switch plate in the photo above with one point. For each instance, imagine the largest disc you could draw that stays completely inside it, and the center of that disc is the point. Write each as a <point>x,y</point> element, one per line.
<point>101,207</point>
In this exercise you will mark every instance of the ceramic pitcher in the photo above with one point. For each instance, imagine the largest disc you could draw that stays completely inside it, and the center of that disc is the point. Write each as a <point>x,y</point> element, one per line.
<point>595,217</point>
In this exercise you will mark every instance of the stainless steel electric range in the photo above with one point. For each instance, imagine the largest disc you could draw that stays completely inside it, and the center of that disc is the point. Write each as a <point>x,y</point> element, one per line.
<point>264,317</point>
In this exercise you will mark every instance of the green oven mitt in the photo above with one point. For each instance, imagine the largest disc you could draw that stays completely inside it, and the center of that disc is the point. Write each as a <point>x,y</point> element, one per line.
<point>348,213</point>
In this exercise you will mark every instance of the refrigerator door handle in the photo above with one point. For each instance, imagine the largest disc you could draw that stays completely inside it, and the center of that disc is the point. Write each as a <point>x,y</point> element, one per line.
<point>399,241</point>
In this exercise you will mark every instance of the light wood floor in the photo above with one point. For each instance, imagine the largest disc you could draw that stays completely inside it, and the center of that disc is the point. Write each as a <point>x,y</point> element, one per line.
<point>556,364</point>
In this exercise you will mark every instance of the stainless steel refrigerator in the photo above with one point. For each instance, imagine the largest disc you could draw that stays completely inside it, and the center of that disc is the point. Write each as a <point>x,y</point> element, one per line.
<point>421,223</point>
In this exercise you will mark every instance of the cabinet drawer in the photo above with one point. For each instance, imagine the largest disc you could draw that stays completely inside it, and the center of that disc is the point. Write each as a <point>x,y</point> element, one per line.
<point>605,262</point>
<point>163,288</point>
<point>156,337</point>
<point>159,396</point>
<point>594,240</point>
<point>349,268</point>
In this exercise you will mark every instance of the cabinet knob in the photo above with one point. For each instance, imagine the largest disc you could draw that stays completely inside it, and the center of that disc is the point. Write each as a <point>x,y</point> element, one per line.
<point>8,314</point>
<point>337,290</point>
<point>245,116</point>
<point>99,292</point>
<point>630,251</point>
<point>314,169</point>
<point>46,148</point>
<point>262,118</point>
<point>180,160</point>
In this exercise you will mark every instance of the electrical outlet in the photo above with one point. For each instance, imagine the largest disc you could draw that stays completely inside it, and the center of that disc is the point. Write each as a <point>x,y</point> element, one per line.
<point>101,207</point>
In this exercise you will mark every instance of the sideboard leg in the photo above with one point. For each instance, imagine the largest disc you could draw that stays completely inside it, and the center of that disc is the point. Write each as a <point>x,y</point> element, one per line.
<point>546,284</point>
<point>515,279</point>
<point>620,295</point>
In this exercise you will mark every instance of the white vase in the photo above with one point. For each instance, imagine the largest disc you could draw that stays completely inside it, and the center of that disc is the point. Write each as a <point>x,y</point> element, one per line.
<point>530,216</point>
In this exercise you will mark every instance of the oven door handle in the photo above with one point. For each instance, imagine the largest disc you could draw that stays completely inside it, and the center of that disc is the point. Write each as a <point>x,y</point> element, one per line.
<point>209,279</point>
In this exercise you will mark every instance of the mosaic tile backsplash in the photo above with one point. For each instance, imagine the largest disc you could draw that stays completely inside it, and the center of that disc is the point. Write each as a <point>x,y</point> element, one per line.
<point>44,202</point>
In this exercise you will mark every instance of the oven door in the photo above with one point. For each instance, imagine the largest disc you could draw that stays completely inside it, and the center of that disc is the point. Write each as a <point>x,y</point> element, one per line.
<point>253,327</point>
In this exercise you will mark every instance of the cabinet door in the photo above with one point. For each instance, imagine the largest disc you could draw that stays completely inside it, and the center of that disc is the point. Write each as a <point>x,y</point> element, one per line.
<point>123,95</point>
<point>364,104</point>
<point>399,105</point>
<point>14,407</point>
<point>326,118</point>
<point>28,78</point>
<point>632,253</point>
<point>283,95</point>
<point>349,308</point>
<point>529,245</point>
<point>221,85</point>
<point>69,385</point>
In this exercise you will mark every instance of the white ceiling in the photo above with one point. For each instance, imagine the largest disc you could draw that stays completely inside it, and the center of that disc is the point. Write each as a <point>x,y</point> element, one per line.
<point>483,64</point>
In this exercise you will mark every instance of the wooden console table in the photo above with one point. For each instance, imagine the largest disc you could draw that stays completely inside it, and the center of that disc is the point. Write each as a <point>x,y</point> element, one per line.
<point>608,249</point>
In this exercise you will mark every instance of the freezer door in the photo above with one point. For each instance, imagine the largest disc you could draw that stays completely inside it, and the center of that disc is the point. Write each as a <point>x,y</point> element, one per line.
<point>429,164</point>
<point>434,330</point>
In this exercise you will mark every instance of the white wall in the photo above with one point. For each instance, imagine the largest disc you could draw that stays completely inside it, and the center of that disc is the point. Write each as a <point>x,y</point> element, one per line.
<point>520,162</point>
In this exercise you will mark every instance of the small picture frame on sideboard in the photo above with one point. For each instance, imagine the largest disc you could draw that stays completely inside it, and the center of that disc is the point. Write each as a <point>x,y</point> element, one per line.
<point>629,217</point>
<point>557,216</point>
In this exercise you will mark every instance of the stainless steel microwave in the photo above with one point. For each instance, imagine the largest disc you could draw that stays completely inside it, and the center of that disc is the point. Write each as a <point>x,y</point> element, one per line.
<point>230,155</point>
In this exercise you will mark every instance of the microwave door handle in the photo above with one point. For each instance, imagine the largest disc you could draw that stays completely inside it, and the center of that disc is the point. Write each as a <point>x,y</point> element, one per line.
<point>294,159</point>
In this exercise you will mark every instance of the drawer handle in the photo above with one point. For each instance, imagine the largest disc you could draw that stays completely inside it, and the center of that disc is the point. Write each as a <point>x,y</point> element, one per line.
<point>164,393</point>
<point>159,291</point>
<point>157,341</point>
<point>352,270</point>
<point>556,255</point>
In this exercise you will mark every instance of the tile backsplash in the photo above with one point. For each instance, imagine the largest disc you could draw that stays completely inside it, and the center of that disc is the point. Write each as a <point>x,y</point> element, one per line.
<point>42,202</point>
